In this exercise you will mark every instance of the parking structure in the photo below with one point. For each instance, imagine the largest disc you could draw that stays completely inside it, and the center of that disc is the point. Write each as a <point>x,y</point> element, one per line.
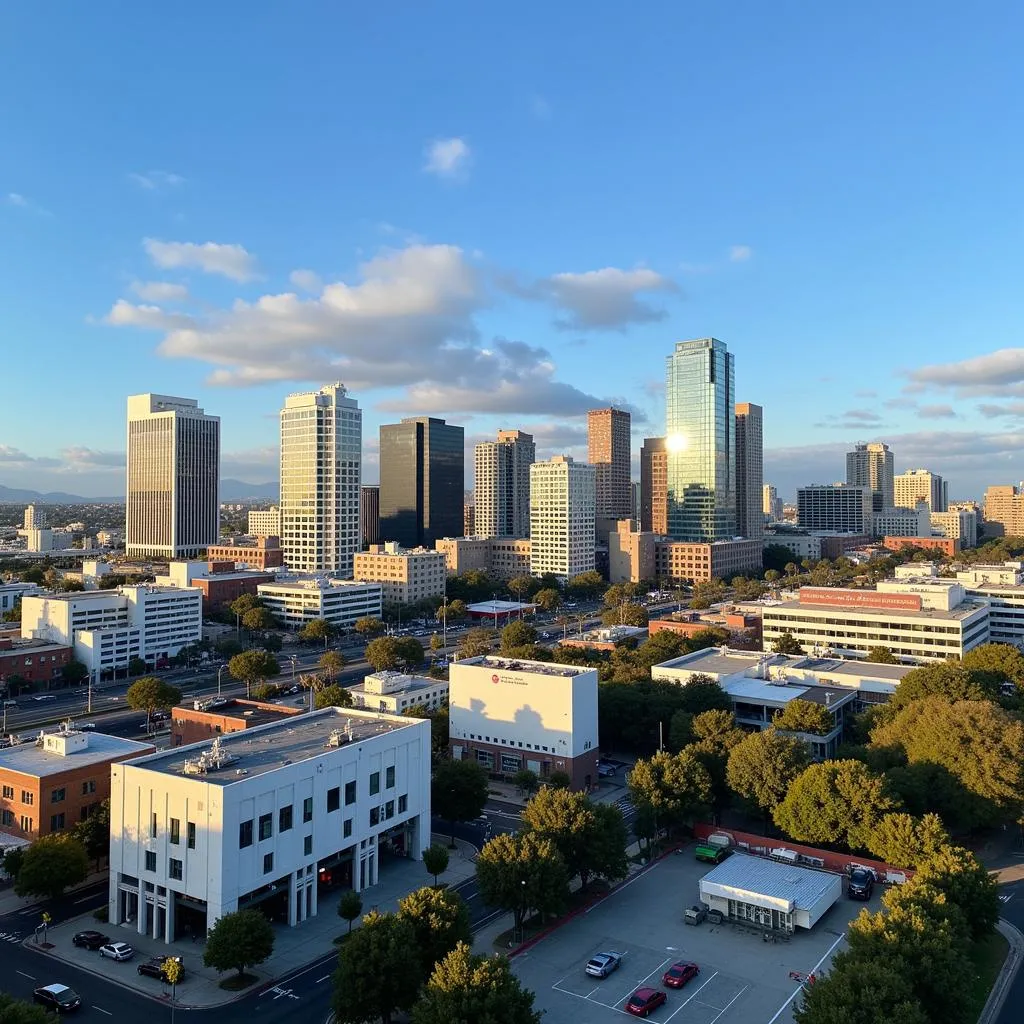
<point>743,978</point>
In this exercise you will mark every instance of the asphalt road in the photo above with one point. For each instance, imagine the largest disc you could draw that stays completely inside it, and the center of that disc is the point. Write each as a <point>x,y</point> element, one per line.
<point>1012,896</point>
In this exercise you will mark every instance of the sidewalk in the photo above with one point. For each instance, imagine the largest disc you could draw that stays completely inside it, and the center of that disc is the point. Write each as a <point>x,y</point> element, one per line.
<point>11,903</point>
<point>294,948</point>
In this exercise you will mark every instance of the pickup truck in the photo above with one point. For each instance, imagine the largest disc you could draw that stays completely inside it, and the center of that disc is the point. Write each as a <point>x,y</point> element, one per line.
<point>712,854</point>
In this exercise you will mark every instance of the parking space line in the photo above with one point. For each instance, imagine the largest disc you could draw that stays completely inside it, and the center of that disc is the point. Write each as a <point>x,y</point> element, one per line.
<point>587,999</point>
<point>633,988</point>
<point>100,1008</point>
<point>694,995</point>
<point>30,977</point>
<point>779,1012</point>
<point>731,1001</point>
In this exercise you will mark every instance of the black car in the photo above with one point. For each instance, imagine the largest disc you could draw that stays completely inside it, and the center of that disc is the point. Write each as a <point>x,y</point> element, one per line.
<point>861,884</point>
<point>59,998</point>
<point>155,968</point>
<point>89,940</point>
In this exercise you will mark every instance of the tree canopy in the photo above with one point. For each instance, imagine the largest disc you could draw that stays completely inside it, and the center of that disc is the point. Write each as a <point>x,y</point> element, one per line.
<point>458,791</point>
<point>238,940</point>
<point>18,1011</point>
<point>763,765</point>
<point>251,667</point>
<point>520,872</point>
<point>440,921</point>
<point>804,716</point>
<point>787,644</point>
<point>905,841</point>
<point>676,787</point>
<point>50,865</point>
<point>333,696</point>
<point>951,680</point>
<point>368,626</point>
<point>151,694</point>
<point>517,634</point>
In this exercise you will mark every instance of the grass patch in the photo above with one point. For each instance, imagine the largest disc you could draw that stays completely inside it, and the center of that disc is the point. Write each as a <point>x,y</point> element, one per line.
<point>987,958</point>
<point>236,982</point>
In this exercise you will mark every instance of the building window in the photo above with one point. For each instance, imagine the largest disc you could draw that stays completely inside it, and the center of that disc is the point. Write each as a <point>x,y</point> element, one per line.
<point>88,787</point>
<point>26,823</point>
<point>266,826</point>
<point>190,832</point>
<point>347,830</point>
<point>403,803</point>
<point>7,818</point>
<point>350,793</point>
<point>27,797</point>
<point>8,792</point>
<point>374,783</point>
<point>307,809</point>
<point>307,845</point>
<point>152,825</point>
<point>284,819</point>
<point>56,822</point>
<point>268,863</point>
<point>389,777</point>
<point>150,860</point>
<point>389,809</point>
<point>374,815</point>
<point>174,868</point>
<point>333,799</point>
<point>244,834</point>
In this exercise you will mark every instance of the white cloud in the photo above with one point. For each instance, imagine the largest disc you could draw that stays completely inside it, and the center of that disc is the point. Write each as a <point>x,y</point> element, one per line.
<point>211,257</point>
<point>261,463</point>
<point>153,181</point>
<point>15,458</point>
<point>306,280</point>
<point>80,459</point>
<point>997,373</point>
<point>936,412</point>
<point>448,158</point>
<point>17,199</point>
<point>24,203</point>
<point>126,314</point>
<point>740,253</point>
<point>160,291</point>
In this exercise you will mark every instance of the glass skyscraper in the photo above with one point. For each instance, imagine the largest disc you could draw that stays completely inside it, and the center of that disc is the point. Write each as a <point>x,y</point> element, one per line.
<point>700,439</point>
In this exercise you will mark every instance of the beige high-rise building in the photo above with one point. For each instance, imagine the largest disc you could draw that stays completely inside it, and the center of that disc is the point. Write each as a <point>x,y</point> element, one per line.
<point>265,522</point>
<point>172,508</point>
<point>771,504</point>
<point>1003,511</point>
<point>321,464</point>
<point>501,492</point>
<point>35,517</point>
<point>608,451</point>
<point>562,517</point>
<point>749,470</point>
<point>920,485</point>
<point>654,486</point>
<point>405,576</point>
<point>871,465</point>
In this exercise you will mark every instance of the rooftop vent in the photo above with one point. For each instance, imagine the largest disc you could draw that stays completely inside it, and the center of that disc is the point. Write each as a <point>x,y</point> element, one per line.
<point>209,760</point>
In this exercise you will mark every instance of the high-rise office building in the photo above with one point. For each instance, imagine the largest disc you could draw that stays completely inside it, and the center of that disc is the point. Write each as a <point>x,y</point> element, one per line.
<point>422,471</point>
<point>35,517</point>
<point>634,499</point>
<point>321,467</point>
<point>468,519</point>
<point>563,503</point>
<point>608,451</point>
<point>920,485</point>
<point>1003,511</point>
<point>749,470</point>
<point>501,493</point>
<point>654,486</point>
<point>771,504</point>
<point>700,437</point>
<point>871,466</point>
<point>844,508</point>
<point>172,508</point>
<point>369,514</point>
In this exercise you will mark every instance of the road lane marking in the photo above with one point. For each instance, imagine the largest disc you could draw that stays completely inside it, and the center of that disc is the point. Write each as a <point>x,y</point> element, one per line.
<point>85,899</point>
<point>318,980</point>
<point>100,1008</point>
<point>24,975</point>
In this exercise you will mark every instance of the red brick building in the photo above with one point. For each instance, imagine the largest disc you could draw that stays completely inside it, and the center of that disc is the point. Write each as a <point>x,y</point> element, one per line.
<point>262,553</point>
<point>36,661</point>
<point>947,545</point>
<point>223,584</point>
<point>194,725</point>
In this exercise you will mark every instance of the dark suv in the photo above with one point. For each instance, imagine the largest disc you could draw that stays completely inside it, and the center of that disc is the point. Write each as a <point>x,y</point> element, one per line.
<point>861,884</point>
<point>154,968</point>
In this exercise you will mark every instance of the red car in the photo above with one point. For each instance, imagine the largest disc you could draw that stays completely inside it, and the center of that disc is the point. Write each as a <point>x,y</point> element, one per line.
<point>644,1000</point>
<point>680,973</point>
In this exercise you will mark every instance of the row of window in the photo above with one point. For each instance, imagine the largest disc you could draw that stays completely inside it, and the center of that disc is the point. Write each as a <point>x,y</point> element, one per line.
<point>512,743</point>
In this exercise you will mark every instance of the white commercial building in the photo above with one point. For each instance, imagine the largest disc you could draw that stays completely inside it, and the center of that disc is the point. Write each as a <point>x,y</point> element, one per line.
<point>262,816</point>
<point>501,489</point>
<point>265,522</point>
<point>903,522</point>
<point>508,714</point>
<point>843,508</point>
<point>405,575</point>
<point>172,508</point>
<point>960,523</point>
<point>801,545</point>
<point>563,503</point>
<point>321,466</point>
<point>396,692</point>
<point>107,628</point>
<point>1002,586</point>
<point>296,600</point>
<point>12,593</point>
<point>920,485</point>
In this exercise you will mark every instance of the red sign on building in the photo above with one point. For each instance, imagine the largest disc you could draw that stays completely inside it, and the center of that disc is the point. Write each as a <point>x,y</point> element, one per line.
<point>860,599</point>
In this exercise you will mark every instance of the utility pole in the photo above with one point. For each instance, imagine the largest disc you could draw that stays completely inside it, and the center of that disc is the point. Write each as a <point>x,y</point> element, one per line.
<point>220,668</point>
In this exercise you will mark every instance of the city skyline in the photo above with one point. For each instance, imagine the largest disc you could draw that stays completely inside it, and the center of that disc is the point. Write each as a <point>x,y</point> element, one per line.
<point>851,262</point>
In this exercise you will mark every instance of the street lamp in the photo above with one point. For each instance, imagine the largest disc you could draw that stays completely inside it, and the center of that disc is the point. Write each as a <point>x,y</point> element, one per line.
<point>220,668</point>
<point>293,660</point>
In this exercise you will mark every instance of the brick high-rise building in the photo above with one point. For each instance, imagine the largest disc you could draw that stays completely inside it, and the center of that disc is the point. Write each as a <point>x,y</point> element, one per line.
<point>749,471</point>
<point>608,451</point>
<point>654,486</point>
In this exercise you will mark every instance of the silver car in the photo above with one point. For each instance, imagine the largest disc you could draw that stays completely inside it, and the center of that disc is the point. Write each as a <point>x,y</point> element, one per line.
<point>117,951</point>
<point>600,965</point>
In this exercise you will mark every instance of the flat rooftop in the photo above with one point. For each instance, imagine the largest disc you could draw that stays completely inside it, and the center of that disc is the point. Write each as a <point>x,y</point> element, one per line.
<point>253,712</point>
<point>415,685</point>
<point>260,750</point>
<point>722,662</point>
<point>498,607</point>
<point>30,759</point>
<point>962,611</point>
<point>305,583</point>
<point>546,668</point>
<point>869,669</point>
<point>741,874</point>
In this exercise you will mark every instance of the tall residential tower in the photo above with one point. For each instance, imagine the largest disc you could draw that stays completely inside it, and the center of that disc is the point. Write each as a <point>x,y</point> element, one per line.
<point>654,486</point>
<point>501,493</point>
<point>172,508</point>
<point>608,451</point>
<point>321,465</point>
<point>749,471</point>
<point>563,497</point>
<point>871,465</point>
<point>920,485</point>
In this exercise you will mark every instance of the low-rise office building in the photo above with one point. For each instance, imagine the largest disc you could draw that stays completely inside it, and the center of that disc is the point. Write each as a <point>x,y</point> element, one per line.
<point>259,817</point>
<point>205,720</point>
<point>508,714</point>
<point>723,559</point>
<point>902,522</point>
<point>296,600</point>
<point>220,582</point>
<point>34,661</point>
<point>265,522</point>
<point>395,692</point>
<point>606,638</point>
<point>12,593</point>
<point>632,553</point>
<point>503,558</point>
<point>52,784</point>
<point>945,545</point>
<point>256,553</point>
<point>1002,586</point>
<point>959,523</point>
<point>405,575</point>
<point>842,508</point>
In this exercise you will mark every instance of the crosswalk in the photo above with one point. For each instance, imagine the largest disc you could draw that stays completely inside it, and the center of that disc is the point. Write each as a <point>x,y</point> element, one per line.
<point>10,937</point>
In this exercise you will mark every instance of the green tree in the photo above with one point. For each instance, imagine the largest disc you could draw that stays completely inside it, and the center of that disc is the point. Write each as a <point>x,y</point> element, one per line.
<point>590,842</point>
<point>458,792</point>
<point>526,781</point>
<point>383,653</point>
<point>317,631</point>
<point>627,614</point>
<point>787,644</point>
<point>332,696</point>
<point>517,634</point>
<point>715,734</point>
<point>94,833</point>
<point>522,586</point>
<point>435,860</point>
<point>350,906</point>
<point>410,652</point>
<point>17,1011</point>
<point>804,716</point>
<point>520,872</point>
<point>258,619</point>
<point>151,694</point>
<point>857,992</point>
<point>881,656</point>
<point>228,647</point>
<point>331,663</point>
<point>947,679</point>
<point>1003,661</point>
<point>440,921</point>
<point>378,971</point>
<point>454,611</point>
<point>74,672</point>
<point>677,787</point>
<point>680,730</point>
<point>136,666</point>
<point>50,865</point>
<point>475,642</point>
<point>238,940</point>
<point>703,693</point>
<point>587,584</point>
<point>469,989</point>
<point>905,841</point>
<point>559,780</point>
<point>834,802</point>
<point>548,599</point>
<point>368,627</point>
<point>252,667</point>
<point>439,732</point>
<point>966,883</point>
<point>244,604</point>
<point>12,860</point>
<point>436,643</point>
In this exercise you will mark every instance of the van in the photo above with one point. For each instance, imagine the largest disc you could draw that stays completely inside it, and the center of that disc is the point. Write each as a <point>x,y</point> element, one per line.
<point>712,854</point>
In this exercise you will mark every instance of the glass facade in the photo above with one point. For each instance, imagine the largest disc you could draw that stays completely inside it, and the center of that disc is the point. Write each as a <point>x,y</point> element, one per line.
<point>700,439</point>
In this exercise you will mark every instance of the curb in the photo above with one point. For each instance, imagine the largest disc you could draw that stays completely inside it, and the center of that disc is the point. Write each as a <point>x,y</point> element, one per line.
<point>1007,973</point>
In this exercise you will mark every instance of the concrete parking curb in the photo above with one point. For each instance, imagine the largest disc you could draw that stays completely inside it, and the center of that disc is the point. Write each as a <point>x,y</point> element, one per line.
<point>1007,974</point>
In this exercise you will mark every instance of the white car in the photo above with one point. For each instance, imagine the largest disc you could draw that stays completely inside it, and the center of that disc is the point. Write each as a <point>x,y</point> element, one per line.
<point>600,965</point>
<point>117,951</point>
<point>86,725</point>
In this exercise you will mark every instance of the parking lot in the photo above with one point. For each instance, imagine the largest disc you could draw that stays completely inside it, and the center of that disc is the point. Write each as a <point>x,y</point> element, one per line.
<point>743,979</point>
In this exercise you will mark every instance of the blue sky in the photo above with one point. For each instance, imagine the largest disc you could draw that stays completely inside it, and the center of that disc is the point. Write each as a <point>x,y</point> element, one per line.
<point>508,216</point>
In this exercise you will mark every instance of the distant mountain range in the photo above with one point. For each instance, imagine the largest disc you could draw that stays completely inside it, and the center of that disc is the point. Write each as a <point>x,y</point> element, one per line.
<point>230,490</point>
